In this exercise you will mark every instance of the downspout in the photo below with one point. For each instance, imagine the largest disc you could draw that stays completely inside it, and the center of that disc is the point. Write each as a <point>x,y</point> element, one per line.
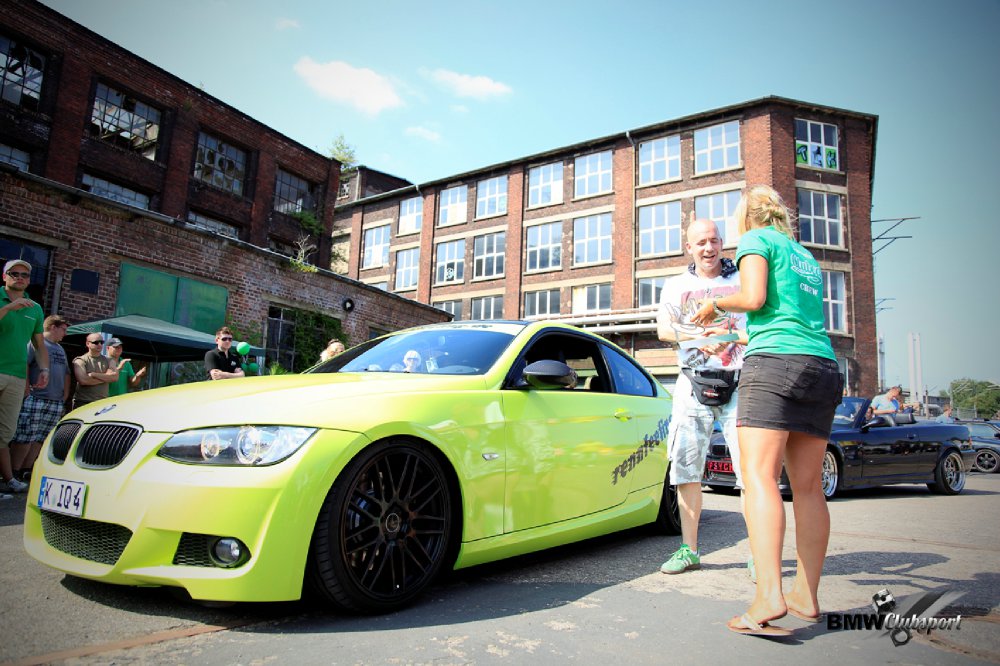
<point>632,287</point>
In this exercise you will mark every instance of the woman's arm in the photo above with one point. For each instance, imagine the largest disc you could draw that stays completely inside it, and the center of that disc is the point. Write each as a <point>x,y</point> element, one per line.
<point>750,297</point>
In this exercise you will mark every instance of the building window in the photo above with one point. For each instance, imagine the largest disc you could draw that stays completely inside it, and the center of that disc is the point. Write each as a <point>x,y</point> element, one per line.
<point>593,174</point>
<point>720,209</point>
<point>450,266</point>
<point>816,144</point>
<point>211,224</point>
<point>376,247</point>
<point>282,247</point>
<point>384,286</point>
<point>22,69</point>
<point>407,264</point>
<point>454,209</point>
<point>541,303</point>
<point>491,197</point>
<point>592,239</point>
<point>295,338</point>
<point>14,157</point>
<point>411,215</point>
<point>544,242</point>
<point>125,122</point>
<point>292,194</point>
<point>819,218</point>
<point>488,253</point>
<point>344,190</point>
<point>834,301</point>
<point>454,307</point>
<point>114,191</point>
<point>220,164</point>
<point>545,185</point>
<point>487,307</point>
<point>591,298</point>
<point>717,147</point>
<point>660,160</point>
<point>650,290</point>
<point>660,229</point>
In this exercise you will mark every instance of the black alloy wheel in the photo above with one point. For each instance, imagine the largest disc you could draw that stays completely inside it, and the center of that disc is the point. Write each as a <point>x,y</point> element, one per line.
<point>987,460</point>
<point>384,530</point>
<point>949,476</point>
<point>668,519</point>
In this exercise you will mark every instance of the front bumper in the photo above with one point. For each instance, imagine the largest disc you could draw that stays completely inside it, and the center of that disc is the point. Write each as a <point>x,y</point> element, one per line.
<point>143,517</point>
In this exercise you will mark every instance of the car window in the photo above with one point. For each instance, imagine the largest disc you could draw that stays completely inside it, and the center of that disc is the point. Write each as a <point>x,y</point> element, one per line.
<point>442,351</point>
<point>629,379</point>
<point>578,352</point>
<point>981,430</point>
<point>847,411</point>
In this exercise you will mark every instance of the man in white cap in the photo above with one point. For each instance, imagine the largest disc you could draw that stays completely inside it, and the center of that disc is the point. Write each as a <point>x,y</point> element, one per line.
<point>21,322</point>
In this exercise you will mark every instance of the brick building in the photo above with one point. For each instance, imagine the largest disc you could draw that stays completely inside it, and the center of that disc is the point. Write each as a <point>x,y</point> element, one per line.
<point>133,192</point>
<point>589,232</point>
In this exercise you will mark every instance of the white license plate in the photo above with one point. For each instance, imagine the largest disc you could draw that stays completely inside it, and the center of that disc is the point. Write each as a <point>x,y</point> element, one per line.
<point>62,496</point>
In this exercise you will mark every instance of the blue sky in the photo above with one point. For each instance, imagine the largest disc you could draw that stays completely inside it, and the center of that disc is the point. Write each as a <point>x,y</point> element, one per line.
<point>460,85</point>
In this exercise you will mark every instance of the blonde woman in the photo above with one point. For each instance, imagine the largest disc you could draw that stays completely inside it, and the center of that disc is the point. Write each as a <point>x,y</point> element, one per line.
<point>333,348</point>
<point>788,390</point>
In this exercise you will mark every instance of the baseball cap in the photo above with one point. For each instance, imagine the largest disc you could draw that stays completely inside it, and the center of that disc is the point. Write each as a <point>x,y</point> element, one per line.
<point>14,262</point>
<point>114,342</point>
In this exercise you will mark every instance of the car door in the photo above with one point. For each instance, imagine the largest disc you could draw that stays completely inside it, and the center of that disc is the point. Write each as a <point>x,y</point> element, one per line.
<point>563,445</point>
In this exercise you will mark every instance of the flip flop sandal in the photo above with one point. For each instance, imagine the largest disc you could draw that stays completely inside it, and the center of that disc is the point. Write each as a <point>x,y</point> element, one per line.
<point>751,628</point>
<point>802,616</point>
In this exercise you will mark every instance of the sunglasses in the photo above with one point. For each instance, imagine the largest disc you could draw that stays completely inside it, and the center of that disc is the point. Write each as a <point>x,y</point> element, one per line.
<point>411,358</point>
<point>19,274</point>
<point>95,342</point>
<point>226,339</point>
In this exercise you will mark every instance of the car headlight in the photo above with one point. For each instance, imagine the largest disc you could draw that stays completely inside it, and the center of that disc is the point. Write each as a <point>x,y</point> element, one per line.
<point>235,446</point>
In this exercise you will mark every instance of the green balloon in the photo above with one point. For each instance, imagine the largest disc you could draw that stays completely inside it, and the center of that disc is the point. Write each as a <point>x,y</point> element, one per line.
<point>245,367</point>
<point>243,348</point>
<point>253,367</point>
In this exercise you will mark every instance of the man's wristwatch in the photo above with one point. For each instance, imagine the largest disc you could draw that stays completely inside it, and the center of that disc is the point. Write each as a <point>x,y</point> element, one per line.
<point>715,306</point>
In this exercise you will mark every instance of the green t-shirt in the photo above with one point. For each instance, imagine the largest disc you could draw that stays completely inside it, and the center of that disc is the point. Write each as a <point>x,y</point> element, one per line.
<point>16,330</point>
<point>791,319</point>
<point>120,387</point>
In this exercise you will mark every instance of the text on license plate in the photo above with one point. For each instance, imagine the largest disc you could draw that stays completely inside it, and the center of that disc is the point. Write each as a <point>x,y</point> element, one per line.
<point>62,496</point>
<point>717,466</point>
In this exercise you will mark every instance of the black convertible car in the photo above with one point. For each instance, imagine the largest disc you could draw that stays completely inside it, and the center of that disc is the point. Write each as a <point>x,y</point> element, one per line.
<point>865,452</point>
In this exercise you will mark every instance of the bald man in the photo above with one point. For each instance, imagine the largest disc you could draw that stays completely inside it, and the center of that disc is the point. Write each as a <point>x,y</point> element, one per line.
<point>709,276</point>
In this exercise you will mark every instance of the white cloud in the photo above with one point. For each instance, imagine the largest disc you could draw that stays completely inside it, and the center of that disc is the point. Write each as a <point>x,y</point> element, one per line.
<point>423,133</point>
<point>286,23</point>
<point>465,85</point>
<point>363,88</point>
<point>459,108</point>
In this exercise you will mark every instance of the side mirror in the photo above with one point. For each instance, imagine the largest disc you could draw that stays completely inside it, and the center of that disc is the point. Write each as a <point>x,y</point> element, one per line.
<point>547,375</point>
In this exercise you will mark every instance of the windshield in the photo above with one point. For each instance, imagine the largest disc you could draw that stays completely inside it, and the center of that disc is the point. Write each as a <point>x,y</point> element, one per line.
<point>846,412</point>
<point>440,351</point>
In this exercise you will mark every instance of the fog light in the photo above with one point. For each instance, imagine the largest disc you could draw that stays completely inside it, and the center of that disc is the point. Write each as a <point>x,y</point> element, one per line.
<point>229,552</point>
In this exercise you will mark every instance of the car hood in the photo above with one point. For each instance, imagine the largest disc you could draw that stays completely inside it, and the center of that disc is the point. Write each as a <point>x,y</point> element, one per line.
<point>313,400</point>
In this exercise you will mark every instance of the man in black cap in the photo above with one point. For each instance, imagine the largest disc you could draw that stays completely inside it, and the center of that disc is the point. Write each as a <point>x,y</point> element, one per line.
<point>127,377</point>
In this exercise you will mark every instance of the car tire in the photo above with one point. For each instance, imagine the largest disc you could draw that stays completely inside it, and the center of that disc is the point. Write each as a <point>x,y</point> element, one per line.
<point>987,461</point>
<point>949,475</point>
<point>668,519</point>
<point>384,530</point>
<point>831,475</point>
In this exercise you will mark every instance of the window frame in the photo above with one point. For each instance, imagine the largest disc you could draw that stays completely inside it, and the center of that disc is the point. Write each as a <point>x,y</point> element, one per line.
<point>592,166</point>
<point>411,211</point>
<point>825,221</point>
<point>804,145</point>
<point>27,85</point>
<point>544,189</point>
<point>12,155</point>
<point>586,241</point>
<point>535,298</point>
<point>494,300</point>
<point>459,208</point>
<point>671,158</point>
<point>222,150</point>
<point>489,263</point>
<point>452,307</point>
<point>407,267</point>
<point>115,122</point>
<point>305,199</point>
<point>671,227</point>
<point>831,304</point>
<point>552,246</point>
<point>454,258</point>
<point>726,221</point>
<point>595,292</point>
<point>491,197</point>
<point>106,188</point>
<point>368,257</point>
<point>654,285</point>
<point>709,147</point>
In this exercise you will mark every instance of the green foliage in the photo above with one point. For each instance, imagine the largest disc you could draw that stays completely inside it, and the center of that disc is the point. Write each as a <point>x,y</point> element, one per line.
<point>974,395</point>
<point>302,266</point>
<point>276,368</point>
<point>312,331</point>
<point>344,153</point>
<point>307,220</point>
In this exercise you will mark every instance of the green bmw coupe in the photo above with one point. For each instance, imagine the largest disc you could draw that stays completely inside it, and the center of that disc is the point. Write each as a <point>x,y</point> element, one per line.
<point>440,446</point>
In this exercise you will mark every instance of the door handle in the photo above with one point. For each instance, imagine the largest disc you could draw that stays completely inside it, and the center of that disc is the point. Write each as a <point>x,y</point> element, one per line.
<point>623,415</point>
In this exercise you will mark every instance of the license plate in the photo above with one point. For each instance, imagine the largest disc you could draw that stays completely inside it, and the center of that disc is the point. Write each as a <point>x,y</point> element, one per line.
<point>717,466</point>
<point>62,496</point>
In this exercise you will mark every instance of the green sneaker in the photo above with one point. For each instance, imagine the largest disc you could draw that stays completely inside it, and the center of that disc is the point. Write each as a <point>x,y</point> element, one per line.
<point>681,561</point>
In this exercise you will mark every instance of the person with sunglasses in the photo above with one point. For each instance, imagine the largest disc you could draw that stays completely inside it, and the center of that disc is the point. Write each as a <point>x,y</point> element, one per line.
<point>20,323</point>
<point>93,373</point>
<point>222,362</point>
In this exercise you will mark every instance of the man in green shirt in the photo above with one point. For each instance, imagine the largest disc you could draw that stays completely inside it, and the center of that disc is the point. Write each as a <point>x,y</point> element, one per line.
<point>128,378</point>
<point>20,322</point>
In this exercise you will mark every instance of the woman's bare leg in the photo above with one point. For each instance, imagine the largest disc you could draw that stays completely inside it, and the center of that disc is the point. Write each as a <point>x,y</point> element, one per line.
<point>804,465</point>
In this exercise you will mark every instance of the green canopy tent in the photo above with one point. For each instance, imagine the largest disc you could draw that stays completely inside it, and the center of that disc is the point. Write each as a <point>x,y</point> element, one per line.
<point>149,338</point>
